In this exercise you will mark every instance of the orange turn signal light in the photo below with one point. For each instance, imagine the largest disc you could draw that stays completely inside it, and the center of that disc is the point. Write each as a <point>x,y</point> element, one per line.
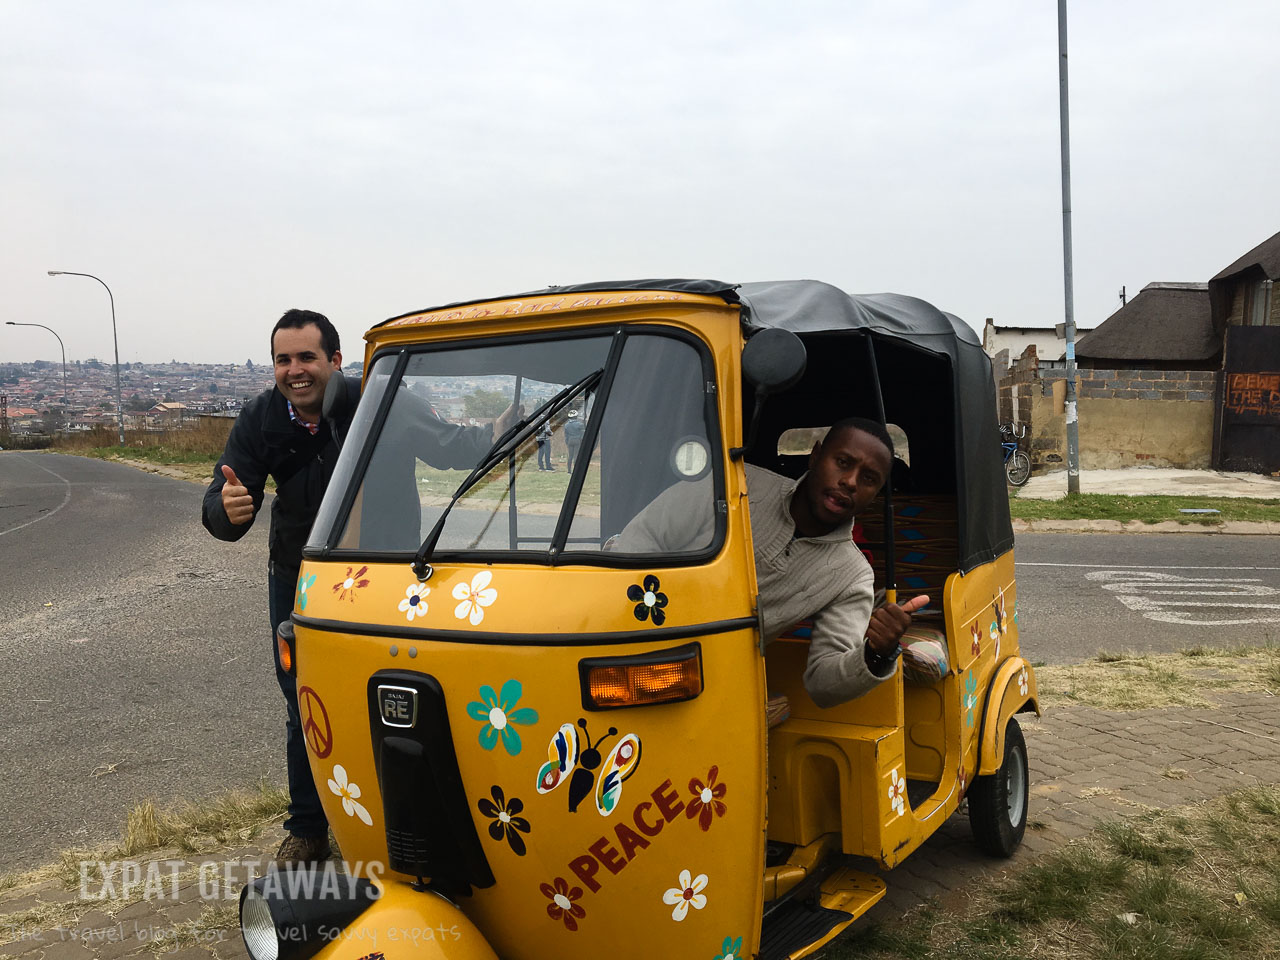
<point>663,676</point>
<point>284,647</point>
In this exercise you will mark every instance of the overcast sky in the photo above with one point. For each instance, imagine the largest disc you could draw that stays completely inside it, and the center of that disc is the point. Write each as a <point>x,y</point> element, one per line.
<point>219,162</point>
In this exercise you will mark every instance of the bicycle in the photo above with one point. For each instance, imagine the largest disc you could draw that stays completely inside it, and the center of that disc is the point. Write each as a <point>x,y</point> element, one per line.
<point>1017,465</point>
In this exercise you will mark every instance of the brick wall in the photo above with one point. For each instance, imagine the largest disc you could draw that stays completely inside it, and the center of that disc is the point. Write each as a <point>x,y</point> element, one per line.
<point>1194,385</point>
<point>1127,417</point>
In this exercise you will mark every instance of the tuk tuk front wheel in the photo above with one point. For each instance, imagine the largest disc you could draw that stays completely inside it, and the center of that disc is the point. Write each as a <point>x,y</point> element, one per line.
<point>998,803</point>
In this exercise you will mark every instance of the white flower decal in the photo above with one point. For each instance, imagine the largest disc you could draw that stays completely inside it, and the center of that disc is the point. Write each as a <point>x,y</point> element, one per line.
<point>414,603</point>
<point>348,791</point>
<point>688,894</point>
<point>474,597</point>
<point>897,792</point>
<point>1023,681</point>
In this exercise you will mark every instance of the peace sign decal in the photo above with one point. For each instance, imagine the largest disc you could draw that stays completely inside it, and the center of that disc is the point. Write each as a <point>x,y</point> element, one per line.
<point>315,723</point>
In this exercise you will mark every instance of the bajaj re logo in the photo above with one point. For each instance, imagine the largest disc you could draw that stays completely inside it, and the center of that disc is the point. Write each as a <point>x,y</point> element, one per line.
<point>398,706</point>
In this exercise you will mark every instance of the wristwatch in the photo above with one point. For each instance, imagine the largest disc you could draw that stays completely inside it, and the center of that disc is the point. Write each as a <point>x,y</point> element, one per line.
<point>878,663</point>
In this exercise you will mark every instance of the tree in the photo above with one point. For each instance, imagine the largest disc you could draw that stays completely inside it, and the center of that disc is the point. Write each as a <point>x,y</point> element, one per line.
<point>213,387</point>
<point>137,403</point>
<point>248,365</point>
<point>484,403</point>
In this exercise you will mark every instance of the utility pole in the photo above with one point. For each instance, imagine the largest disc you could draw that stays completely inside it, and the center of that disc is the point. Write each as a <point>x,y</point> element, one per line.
<point>1073,426</point>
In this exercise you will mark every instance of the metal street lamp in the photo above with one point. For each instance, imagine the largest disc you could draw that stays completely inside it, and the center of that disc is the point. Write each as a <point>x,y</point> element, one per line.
<point>114,339</point>
<point>14,323</point>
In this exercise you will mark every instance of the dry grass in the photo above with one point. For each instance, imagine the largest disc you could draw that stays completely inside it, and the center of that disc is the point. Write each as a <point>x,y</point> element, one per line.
<point>1130,681</point>
<point>1197,884</point>
<point>216,826</point>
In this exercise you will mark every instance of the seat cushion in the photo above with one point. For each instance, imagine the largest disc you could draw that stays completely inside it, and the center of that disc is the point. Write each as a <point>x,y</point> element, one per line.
<point>924,653</point>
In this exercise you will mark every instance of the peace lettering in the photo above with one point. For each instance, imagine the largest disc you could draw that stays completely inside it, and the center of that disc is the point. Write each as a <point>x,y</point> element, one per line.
<point>649,818</point>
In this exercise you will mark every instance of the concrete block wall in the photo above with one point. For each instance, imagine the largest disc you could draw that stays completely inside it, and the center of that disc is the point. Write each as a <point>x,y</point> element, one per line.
<point>1127,417</point>
<point>1193,385</point>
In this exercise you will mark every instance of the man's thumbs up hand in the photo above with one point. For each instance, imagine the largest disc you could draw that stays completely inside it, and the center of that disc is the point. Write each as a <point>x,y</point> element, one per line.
<point>236,500</point>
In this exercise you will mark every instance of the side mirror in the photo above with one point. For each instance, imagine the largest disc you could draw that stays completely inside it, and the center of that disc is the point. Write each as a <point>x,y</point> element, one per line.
<point>772,361</point>
<point>336,403</point>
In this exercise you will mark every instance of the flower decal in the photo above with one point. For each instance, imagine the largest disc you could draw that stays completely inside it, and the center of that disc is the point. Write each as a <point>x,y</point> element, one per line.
<point>731,949</point>
<point>897,792</point>
<point>1023,681</point>
<point>498,712</point>
<point>708,799</point>
<point>649,602</point>
<point>997,606</point>
<point>975,633</point>
<point>340,786</point>
<point>305,583</point>
<point>970,697</point>
<point>563,905</point>
<point>687,894</point>
<point>414,603</point>
<point>962,781</point>
<point>355,579</point>
<point>474,597</point>
<point>505,822</point>
<point>993,631</point>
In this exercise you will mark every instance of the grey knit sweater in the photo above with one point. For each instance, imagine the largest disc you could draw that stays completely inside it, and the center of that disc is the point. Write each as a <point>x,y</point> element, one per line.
<point>826,578</point>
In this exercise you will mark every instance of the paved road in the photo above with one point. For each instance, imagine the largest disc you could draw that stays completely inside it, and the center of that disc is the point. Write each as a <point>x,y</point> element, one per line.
<point>135,652</point>
<point>135,660</point>
<point>1081,593</point>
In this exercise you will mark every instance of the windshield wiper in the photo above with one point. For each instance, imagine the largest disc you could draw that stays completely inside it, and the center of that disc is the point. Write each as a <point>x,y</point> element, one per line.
<point>501,448</point>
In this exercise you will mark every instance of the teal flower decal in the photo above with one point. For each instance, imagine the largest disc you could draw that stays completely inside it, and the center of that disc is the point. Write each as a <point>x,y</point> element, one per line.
<point>970,698</point>
<point>731,949</point>
<point>303,583</point>
<point>498,712</point>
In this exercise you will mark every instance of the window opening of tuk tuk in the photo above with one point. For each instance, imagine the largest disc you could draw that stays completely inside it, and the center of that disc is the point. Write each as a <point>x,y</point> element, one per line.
<point>433,425</point>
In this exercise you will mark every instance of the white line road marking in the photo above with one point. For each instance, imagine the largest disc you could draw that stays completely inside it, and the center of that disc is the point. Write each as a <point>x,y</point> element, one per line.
<point>65,499</point>
<point>1137,590</point>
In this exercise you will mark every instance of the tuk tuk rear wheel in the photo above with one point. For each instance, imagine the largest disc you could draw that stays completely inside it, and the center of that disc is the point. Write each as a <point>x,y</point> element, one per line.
<point>998,803</point>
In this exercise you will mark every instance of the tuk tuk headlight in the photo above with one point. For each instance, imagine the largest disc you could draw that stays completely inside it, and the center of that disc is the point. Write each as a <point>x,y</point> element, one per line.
<point>290,916</point>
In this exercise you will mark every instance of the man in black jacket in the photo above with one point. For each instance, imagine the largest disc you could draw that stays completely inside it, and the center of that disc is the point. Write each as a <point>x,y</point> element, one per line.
<point>281,433</point>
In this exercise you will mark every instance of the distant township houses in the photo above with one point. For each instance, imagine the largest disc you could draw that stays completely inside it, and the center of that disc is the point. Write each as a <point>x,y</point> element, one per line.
<point>1184,374</point>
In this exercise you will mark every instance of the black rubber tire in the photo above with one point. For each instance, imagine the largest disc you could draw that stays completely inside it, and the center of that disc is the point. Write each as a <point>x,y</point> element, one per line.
<point>1018,469</point>
<point>998,803</point>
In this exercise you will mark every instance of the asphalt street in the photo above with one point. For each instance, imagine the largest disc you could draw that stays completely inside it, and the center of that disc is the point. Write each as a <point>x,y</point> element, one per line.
<point>1079,594</point>
<point>135,650</point>
<point>137,665</point>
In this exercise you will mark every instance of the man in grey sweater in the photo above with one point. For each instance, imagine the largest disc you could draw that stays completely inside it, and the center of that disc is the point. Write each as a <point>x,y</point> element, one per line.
<point>807,564</point>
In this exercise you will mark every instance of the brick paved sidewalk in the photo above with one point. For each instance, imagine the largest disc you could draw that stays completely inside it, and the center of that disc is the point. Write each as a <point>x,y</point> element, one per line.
<point>1086,765</point>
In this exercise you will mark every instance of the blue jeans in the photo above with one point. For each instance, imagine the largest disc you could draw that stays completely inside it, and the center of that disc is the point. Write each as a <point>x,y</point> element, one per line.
<point>306,816</point>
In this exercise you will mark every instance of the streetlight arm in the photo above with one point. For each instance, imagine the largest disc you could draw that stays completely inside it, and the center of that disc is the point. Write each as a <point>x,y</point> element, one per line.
<point>114,339</point>
<point>61,345</point>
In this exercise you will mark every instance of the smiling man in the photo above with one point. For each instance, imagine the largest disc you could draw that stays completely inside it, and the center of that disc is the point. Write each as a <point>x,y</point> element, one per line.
<point>281,433</point>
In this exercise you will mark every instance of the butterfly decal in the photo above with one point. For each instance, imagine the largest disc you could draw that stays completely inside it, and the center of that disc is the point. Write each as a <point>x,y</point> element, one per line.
<point>568,759</point>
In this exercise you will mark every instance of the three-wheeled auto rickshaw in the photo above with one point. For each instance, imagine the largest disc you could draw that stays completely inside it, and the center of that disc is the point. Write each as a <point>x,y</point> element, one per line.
<point>535,741</point>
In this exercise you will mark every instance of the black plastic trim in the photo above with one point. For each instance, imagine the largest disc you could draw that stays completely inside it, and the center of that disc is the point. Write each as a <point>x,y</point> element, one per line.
<point>690,651</point>
<point>654,635</point>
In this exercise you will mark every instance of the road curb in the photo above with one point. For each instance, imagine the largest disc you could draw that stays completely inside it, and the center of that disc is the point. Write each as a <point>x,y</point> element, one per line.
<point>1233,527</point>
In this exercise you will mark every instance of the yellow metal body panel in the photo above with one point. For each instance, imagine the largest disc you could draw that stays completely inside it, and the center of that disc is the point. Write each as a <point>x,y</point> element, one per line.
<point>693,809</point>
<point>404,922</point>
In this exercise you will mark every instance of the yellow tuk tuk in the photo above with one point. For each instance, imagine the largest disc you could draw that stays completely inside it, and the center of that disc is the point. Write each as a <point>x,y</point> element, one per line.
<point>532,743</point>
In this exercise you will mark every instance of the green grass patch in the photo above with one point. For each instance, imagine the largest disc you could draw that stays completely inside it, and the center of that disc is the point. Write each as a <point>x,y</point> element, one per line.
<point>1147,509</point>
<point>1161,886</point>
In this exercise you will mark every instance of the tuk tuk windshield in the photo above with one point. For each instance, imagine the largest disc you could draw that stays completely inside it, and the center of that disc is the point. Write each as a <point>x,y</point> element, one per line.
<point>571,483</point>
